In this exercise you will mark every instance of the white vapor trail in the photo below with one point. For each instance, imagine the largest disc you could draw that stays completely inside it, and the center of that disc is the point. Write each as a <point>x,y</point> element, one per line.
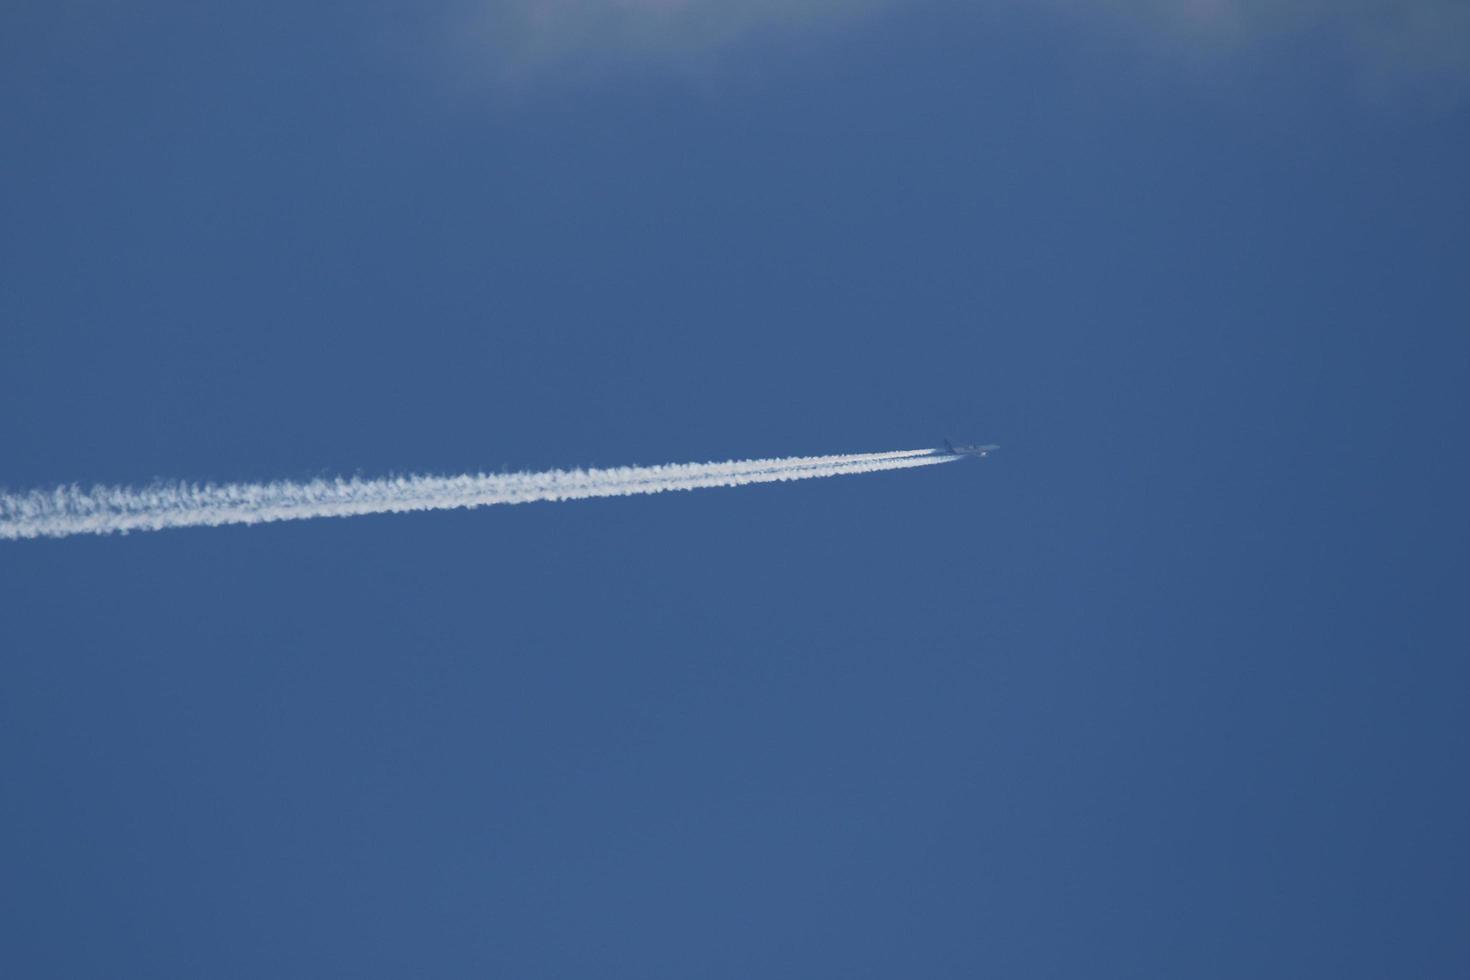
<point>65,511</point>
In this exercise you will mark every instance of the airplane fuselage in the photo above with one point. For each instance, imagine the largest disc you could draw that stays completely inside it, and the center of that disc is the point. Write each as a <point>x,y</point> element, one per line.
<point>981,451</point>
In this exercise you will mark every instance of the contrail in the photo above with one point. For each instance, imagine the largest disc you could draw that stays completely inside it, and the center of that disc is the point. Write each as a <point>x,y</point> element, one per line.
<point>70,510</point>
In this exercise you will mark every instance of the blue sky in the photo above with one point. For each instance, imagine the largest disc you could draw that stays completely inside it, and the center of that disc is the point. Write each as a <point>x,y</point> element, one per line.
<point>1172,685</point>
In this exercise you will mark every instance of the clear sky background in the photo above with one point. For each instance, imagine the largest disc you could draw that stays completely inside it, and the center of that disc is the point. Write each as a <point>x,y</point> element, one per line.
<point>1173,685</point>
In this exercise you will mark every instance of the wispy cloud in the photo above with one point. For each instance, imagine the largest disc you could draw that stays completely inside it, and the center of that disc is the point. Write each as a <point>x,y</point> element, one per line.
<point>1415,36</point>
<point>524,36</point>
<point>67,511</point>
<point>521,39</point>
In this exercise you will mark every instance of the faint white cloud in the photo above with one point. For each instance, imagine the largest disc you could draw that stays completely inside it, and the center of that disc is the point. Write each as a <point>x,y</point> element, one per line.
<point>526,38</point>
<point>1406,37</point>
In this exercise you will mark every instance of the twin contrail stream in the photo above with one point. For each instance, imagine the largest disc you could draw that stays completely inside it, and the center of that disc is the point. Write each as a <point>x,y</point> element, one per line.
<point>65,511</point>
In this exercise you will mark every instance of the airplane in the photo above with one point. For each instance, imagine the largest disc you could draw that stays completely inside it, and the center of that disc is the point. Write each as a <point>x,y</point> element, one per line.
<point>981,451</point>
